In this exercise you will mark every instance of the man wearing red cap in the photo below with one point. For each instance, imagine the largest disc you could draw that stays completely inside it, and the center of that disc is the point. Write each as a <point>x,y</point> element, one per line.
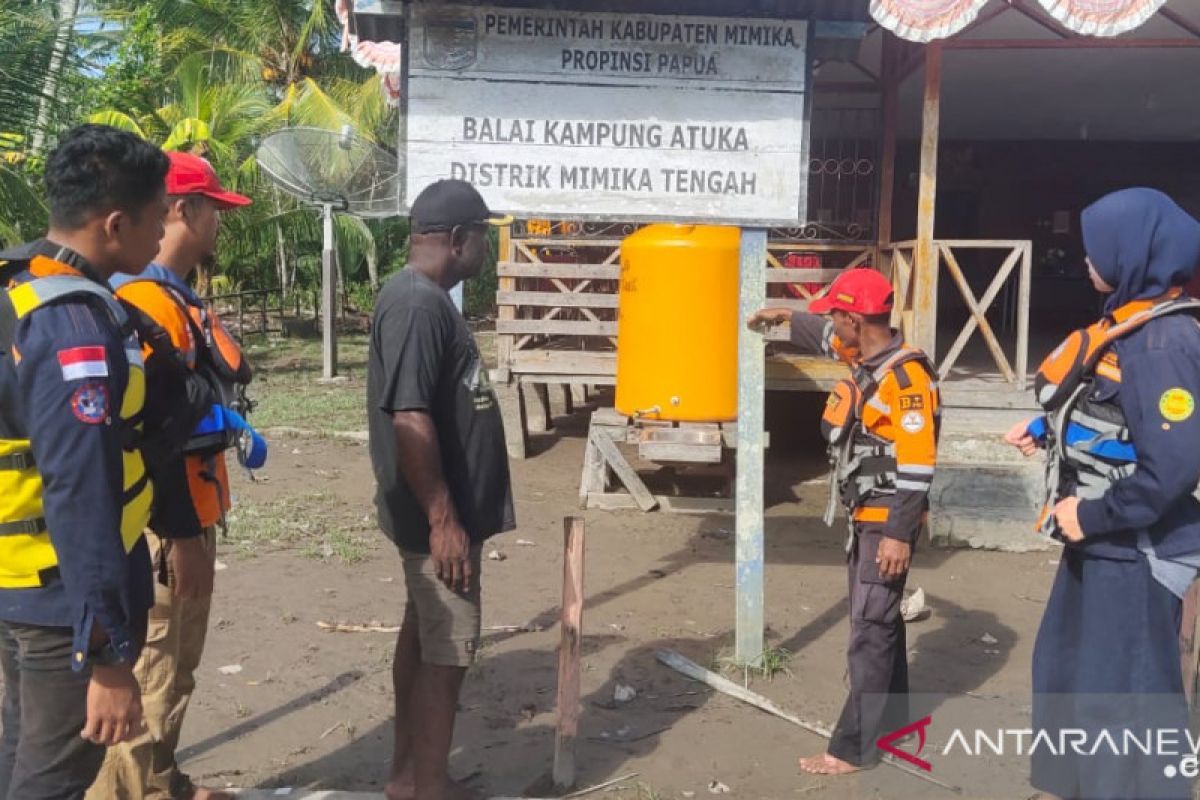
<point>183,555</point>
<point>882,427</point>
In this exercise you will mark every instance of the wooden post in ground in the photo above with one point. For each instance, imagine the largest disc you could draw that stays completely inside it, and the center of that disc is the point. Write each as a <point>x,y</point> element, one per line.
<point>1189,643</point>
<point>508,389</point>
<point>539,417</point>
<point>568,654</point>
<point>750,429</point>
<point>925,270</point>
<point>512,412</point>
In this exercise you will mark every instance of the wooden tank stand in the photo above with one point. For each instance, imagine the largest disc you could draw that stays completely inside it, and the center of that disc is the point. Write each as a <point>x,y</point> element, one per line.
<point>693,444</point>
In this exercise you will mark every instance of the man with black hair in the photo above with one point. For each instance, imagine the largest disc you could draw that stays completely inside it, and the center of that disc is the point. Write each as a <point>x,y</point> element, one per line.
<point>75,491</point>
<point>437,447</point>
<point>145,767</point>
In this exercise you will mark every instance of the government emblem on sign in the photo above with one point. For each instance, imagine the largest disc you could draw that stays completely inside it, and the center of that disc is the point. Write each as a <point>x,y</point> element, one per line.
<point>450,41</point>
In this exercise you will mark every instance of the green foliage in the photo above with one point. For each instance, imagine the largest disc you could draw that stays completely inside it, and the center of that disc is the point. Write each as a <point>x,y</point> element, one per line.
<point>479,293</point>
<point>361,297</point>
<point>211,77</point>
<point>130,80</point>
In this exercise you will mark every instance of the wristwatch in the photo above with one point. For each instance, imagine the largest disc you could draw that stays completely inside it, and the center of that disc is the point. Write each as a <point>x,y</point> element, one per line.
<point>105,656</point>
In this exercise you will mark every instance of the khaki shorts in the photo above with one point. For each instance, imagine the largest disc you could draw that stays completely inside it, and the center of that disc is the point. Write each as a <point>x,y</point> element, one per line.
<point>448,622</point>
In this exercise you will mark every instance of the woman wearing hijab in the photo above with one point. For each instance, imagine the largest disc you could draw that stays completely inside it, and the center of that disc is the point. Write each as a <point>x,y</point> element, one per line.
<point>1123,442</point>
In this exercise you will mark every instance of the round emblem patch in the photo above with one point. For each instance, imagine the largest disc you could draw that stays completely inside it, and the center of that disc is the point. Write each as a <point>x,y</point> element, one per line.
<point>1176,404</point>
<point>913,422</point>
<point>89,403</point>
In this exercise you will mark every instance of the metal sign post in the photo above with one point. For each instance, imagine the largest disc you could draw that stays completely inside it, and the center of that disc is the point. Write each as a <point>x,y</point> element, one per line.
<point>750,433</point>
<point>328,297</point>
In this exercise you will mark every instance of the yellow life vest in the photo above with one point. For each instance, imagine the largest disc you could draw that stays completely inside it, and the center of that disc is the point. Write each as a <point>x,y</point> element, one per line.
<point>27,556</point>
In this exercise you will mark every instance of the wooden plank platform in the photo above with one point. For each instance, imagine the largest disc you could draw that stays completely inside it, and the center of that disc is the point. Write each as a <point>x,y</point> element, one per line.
<point>698,445</point>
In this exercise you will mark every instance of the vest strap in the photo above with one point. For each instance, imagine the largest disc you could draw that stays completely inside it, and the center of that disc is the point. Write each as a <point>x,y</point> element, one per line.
<point>26,527</point>
<point>17,461</point>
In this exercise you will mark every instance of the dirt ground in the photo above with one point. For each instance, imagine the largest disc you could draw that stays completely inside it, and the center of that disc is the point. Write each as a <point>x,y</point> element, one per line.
<point>310,708</point>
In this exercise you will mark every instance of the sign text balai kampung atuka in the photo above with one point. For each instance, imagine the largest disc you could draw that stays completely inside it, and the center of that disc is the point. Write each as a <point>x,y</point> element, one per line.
<point>600,115</point>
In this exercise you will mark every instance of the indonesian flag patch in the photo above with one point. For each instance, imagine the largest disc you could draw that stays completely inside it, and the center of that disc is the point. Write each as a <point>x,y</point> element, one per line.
<point>80,363</point>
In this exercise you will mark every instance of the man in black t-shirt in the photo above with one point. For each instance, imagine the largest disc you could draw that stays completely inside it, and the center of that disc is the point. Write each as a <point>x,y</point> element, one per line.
<point>440,460</point>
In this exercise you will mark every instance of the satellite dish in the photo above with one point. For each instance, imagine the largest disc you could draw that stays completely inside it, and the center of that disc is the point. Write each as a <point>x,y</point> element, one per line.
<point>333,171</point>
<point>340,169</point>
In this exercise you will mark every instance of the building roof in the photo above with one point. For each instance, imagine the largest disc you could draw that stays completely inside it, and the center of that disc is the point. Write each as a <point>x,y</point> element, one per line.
<point>927,20</point>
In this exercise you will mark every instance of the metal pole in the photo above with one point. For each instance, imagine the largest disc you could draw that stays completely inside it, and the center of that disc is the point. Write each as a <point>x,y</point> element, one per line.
<point>750,433</point>
<point>328,298</point>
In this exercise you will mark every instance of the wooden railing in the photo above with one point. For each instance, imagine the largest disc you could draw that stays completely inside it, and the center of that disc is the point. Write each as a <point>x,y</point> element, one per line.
<point>1014,296</point>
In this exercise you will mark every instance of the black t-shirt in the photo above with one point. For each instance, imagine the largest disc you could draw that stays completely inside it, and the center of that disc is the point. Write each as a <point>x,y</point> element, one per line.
<point>424,358</point>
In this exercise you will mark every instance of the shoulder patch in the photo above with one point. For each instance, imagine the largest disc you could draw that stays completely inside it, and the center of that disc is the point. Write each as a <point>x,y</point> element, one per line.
<point>89,403</point>
<point>1176,404</point>
<point>913,422</point>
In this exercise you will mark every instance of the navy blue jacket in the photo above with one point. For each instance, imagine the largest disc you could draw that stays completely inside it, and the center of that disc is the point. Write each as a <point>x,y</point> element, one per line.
<point>81,467</point>
<point>1158,392</point>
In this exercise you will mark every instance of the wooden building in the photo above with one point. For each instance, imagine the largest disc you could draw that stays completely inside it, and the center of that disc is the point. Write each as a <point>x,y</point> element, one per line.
<point>952,145</point>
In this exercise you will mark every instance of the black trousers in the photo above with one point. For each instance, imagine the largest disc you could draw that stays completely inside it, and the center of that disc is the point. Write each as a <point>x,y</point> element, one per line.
<point>877,656</point>
<point>1107,658</point>
<point>42,755</point>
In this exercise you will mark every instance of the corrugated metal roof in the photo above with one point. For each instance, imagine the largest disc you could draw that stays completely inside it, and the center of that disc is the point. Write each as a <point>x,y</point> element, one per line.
<point>837,10</point>
<point>841,10</point>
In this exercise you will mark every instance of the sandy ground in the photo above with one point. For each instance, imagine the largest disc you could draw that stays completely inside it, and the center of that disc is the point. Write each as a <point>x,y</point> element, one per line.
<point>310,708</point>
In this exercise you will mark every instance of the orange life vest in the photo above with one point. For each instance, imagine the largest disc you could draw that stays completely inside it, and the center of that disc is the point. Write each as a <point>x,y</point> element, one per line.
<point>859,427</point>
<point>211,350</point>
<point>1074,466</point>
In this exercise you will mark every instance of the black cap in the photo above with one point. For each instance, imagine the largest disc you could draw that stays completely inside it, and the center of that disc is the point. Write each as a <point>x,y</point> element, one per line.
<point>446,204</point>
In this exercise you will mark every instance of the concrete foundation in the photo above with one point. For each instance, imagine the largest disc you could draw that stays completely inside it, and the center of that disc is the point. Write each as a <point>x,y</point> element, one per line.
<point>986,495</point>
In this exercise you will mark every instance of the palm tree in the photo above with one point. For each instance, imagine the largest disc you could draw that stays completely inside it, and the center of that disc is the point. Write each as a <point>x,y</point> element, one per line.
<point>289,47</point>
<point>35,56</point>
<point>231,71</point>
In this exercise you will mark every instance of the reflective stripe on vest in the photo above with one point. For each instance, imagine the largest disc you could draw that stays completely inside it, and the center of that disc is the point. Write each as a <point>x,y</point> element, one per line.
<point>1076,467</point>
<point>864,465</point>
<point>26,552</point>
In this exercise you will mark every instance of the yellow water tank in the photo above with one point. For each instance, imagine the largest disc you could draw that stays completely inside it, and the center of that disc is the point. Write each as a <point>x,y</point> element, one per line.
<point>677,330</point>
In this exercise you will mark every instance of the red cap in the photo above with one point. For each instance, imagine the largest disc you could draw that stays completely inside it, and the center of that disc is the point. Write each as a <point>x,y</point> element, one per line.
<point>860,291</point>
<point>190,174</point>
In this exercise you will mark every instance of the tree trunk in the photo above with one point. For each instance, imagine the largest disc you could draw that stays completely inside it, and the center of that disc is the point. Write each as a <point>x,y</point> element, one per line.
<point>204,272</point>
<point>67,10</point>
<point>280,246</point>
<point>373,270</point>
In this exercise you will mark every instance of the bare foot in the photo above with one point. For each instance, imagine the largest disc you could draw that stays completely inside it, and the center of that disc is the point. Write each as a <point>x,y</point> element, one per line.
<point>401,790</point>
<point>201,793</point>
<point>826,764</point>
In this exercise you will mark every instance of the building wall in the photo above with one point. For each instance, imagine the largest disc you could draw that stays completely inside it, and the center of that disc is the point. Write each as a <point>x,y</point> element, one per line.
<point>1013,190</point>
